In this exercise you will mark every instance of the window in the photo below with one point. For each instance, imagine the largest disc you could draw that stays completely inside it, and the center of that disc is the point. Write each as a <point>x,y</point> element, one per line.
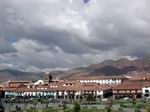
<point>133,91</point>
<point>139,91</point>
<point>127,91</point>
<point>146,91</point>
<point>114,91</point>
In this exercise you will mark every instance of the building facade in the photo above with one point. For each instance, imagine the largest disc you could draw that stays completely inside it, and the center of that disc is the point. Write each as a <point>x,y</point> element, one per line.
<point>76,89</point>
<point>102,79</point>
<point>60,90</point>
<point>146,89</point>
<point>127,89</point>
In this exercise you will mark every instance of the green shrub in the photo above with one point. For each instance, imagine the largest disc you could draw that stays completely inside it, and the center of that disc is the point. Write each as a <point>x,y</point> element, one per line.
<point>139,106</point>
<point>87,110</point>
<point>108,110</point>
<point>69,110</point>
<point>31,110</point>
<point>134,101</point>
<point>121,104</point>
<point>120,109</point>
<point>76,107</point>
<point>90,98</point>
<point>50,110</point>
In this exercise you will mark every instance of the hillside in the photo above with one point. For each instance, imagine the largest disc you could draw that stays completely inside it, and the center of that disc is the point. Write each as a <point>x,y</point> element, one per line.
<point>107,67</point>
<point>8,74</point>
<point>114,67</point>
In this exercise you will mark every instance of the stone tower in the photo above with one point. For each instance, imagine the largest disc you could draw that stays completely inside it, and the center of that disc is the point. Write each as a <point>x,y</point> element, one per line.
<point>48,78</point>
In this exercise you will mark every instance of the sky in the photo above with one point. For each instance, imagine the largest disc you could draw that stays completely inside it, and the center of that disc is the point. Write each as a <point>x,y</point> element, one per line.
<point>41,35</point>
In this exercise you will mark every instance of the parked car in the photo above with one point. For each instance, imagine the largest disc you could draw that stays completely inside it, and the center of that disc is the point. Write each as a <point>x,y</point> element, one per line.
<point>126,98</point>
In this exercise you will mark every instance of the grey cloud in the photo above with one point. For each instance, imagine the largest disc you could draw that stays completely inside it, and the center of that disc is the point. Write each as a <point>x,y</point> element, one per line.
<point>75,32</point>
<point>21,25</point>
<point>14,55</point>
<point>66,41</point>
<point>5,46</point>
<point>119,26</point>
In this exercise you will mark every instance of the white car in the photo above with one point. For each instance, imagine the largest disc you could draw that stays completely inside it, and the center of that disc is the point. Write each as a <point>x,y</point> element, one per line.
<point>126,98</point>
<point>105,99</point>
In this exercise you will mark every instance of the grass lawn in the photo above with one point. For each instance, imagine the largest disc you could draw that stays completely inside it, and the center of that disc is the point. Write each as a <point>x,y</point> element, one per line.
<point>139,104</point>
<point>68,110</point>
<point>96,110</point>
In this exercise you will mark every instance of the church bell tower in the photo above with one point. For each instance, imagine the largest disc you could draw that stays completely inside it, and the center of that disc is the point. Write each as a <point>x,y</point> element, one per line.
<point>48,78</point>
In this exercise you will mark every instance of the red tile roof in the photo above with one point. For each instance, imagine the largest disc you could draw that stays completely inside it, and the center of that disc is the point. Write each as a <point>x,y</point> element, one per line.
<point>146,84</point>
<point>128,86</point>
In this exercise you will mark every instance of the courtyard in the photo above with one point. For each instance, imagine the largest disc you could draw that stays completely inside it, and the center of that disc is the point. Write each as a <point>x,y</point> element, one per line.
<point>47,105</point>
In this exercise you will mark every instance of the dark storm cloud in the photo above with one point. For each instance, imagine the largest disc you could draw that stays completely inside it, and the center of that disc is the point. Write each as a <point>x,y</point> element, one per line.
<point>16,25</point>
<point>74,32</point>
<point>65,40</point>
<point>86,1</point>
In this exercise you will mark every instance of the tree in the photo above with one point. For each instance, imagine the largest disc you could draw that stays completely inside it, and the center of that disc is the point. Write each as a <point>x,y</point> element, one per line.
<point>134,100</point>
<point>64,106</point>
<point>76,107</point>
<point>109,105</point>
<point>90,97</point>
<point>108,109</point>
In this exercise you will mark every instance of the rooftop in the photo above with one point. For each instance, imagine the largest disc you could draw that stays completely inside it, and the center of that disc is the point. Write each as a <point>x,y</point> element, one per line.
<point>128,86</point>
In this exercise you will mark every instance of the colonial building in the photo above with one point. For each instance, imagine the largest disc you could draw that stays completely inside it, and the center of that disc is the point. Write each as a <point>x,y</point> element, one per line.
<point>102,79</point>
<point>78,88</point>
<point>61,90</point>
<point>127,89</point>
<point>146,89</point>
<point>16,83</point>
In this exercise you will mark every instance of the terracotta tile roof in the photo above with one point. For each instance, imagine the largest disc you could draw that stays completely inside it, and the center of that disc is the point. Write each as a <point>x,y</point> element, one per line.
<point>71,81</point>
<point>9,89</point>
<point>1,88</point>
<point>20,81</point>
<point>146,84</point>
<point>59,86</point>
<point>80,87</point>
<point>138,77</point>
<point>27,90</point>
<point>41,86</point>
<point>96,87</point>
<point>128,86</point>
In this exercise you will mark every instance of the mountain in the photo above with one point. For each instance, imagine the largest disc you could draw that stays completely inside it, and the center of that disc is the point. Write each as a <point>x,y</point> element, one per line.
<point>7,74</point>
<point>121,66</point>
<point>108,68</point>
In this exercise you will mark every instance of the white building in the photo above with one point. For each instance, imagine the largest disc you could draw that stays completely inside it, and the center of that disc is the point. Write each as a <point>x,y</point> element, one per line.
<point>102,79</point>
<point>146,89</point>
<point>39,82</point>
